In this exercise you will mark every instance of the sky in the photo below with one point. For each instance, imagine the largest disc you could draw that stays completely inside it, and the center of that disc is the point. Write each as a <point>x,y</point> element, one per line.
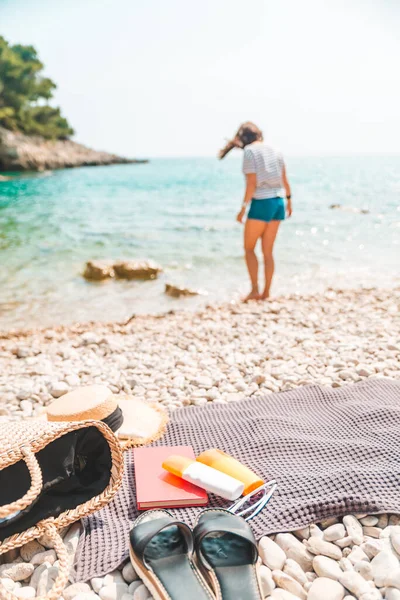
<point>177,77</point>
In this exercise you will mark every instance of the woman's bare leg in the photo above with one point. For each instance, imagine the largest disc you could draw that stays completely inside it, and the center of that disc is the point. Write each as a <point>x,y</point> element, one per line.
<point>253,230</point>
<point>268,240</point>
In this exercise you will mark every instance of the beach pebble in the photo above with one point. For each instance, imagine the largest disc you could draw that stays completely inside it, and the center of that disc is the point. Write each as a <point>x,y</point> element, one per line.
<point>392,594</point>
<point>302,534</point>
<point>372,548</point>
<point>29,550</point>
<point>97,583</point>
<point>328,522</point>
<point>285,582</point>
<point>345,564</point>
<point>271,554</point>
<point>374,532</point>
<point>141,593</point>
<point>294,549</point>
<point>327,567</point>
<point>394,520</point>
<point>48,556</point>
<point>355,583</point>
<point>113,591</point>
<point>17,571</point>
<point>129,573</point>
<point>59,388</point>
<point>315,531</point>
<point>76,588</point>
<point>38,574</point>
<point>393,579</point>
<point>334,533</point>
<point>357,555</point>
<point>46,581</point>
<point>344,542</point>
<point>71,540</point>
<point>354,529</point>
<point>25,592</point>
<point>383,521</point>
<point>365,570</point>
<point>382,565</point>
<point>369,521</point>
<point>294,570</point>
<point>395,539</point>
<point>326,589</point>
<point>318,546</point>
<point>278,594</point>
<point>267,583</point>
<point>7,583</point>
<point>134,585</point>
<point>114,577</point>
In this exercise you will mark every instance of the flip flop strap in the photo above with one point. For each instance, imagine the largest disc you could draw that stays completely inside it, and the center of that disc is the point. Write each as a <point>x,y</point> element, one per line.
<point>224,522</point>
<point>142,534</point>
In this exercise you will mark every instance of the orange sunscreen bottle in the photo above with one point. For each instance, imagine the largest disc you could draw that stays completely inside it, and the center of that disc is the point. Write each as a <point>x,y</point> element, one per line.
<point>227,464</point>
<point>205,477</point>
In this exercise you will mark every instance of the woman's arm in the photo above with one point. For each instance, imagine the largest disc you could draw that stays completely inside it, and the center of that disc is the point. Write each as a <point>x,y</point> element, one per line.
<point>288,193</point>
<point>251,184</point>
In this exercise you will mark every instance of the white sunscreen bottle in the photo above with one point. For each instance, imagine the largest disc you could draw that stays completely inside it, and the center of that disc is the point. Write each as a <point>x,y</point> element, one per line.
<point>204,477</point>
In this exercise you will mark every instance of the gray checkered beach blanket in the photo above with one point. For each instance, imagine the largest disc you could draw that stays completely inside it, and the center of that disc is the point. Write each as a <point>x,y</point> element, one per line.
<point>332,451</point>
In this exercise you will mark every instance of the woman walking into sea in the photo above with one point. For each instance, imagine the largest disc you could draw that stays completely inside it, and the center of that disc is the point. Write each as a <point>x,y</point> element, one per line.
<point>266,187</point>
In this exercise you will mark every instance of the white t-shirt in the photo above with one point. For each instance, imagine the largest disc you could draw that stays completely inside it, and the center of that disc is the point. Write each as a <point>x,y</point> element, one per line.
<point>268,165</point>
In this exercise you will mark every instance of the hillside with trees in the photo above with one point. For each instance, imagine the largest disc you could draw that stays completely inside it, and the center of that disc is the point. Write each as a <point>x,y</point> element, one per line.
<point>25,94</point>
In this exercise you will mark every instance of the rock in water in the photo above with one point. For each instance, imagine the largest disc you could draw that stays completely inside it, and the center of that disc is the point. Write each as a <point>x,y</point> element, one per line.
<point>176,291</point>
<point>146,269</point>
<point>96,270</point>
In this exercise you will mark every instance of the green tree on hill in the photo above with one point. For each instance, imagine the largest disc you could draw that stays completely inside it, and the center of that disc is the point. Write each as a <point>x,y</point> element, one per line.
<point>24,94</point>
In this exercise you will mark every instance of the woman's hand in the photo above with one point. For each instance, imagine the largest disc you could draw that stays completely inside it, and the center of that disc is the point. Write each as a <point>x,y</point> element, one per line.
<point>240,215</point>
<point>289,209</point>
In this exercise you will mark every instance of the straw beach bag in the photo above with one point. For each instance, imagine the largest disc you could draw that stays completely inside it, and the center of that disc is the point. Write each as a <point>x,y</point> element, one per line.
<point>52,474</point>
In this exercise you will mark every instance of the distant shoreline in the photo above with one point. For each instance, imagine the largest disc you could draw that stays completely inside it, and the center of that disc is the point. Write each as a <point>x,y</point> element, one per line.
<point>19,153</point>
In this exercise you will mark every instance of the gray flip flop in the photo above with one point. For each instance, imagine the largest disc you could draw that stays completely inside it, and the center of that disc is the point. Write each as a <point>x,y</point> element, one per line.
<point>162,553</point>
<point>227,554</point>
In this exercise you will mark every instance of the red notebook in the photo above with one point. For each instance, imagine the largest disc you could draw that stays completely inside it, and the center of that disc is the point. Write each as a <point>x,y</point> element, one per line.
<point>156,488</point>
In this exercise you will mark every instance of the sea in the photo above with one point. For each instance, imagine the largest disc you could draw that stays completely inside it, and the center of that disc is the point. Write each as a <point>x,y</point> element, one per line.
<point>181,213</point>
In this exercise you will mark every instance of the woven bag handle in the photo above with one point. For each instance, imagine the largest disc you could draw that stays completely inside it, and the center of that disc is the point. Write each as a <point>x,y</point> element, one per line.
<point>36,485</point>
<point>63,569</point>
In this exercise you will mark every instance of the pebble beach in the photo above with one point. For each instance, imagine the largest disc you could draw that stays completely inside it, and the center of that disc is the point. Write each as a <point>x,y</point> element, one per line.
<point>221,354</point>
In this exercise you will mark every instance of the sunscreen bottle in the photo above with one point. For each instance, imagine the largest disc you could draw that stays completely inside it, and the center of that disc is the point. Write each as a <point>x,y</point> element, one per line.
<point>217,459</point>
<point>204,477</point>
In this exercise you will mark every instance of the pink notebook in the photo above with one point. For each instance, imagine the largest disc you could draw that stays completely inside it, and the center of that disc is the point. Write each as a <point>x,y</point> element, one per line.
<point>156,488</point>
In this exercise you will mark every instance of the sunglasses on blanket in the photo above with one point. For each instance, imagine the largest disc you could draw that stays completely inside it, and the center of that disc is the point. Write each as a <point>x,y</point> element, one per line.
<point>251,505</point>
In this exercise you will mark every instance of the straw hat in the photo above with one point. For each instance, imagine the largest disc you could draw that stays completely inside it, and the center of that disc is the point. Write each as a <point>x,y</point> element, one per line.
<point>135,422</point>
<point>91,402</point>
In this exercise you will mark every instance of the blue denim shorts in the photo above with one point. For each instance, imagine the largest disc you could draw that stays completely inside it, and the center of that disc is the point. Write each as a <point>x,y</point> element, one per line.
<point>270,209</point>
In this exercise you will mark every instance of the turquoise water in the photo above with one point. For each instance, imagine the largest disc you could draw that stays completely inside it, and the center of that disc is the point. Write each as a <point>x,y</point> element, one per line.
<point>181,213</point>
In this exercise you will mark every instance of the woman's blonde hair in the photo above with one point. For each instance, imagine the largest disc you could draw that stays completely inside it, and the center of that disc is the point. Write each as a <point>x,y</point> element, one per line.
<point>246,134</point>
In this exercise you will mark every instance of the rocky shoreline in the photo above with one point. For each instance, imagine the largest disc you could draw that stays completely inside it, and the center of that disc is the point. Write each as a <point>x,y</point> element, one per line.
<point>19,152</point>
<point>223,354</point>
